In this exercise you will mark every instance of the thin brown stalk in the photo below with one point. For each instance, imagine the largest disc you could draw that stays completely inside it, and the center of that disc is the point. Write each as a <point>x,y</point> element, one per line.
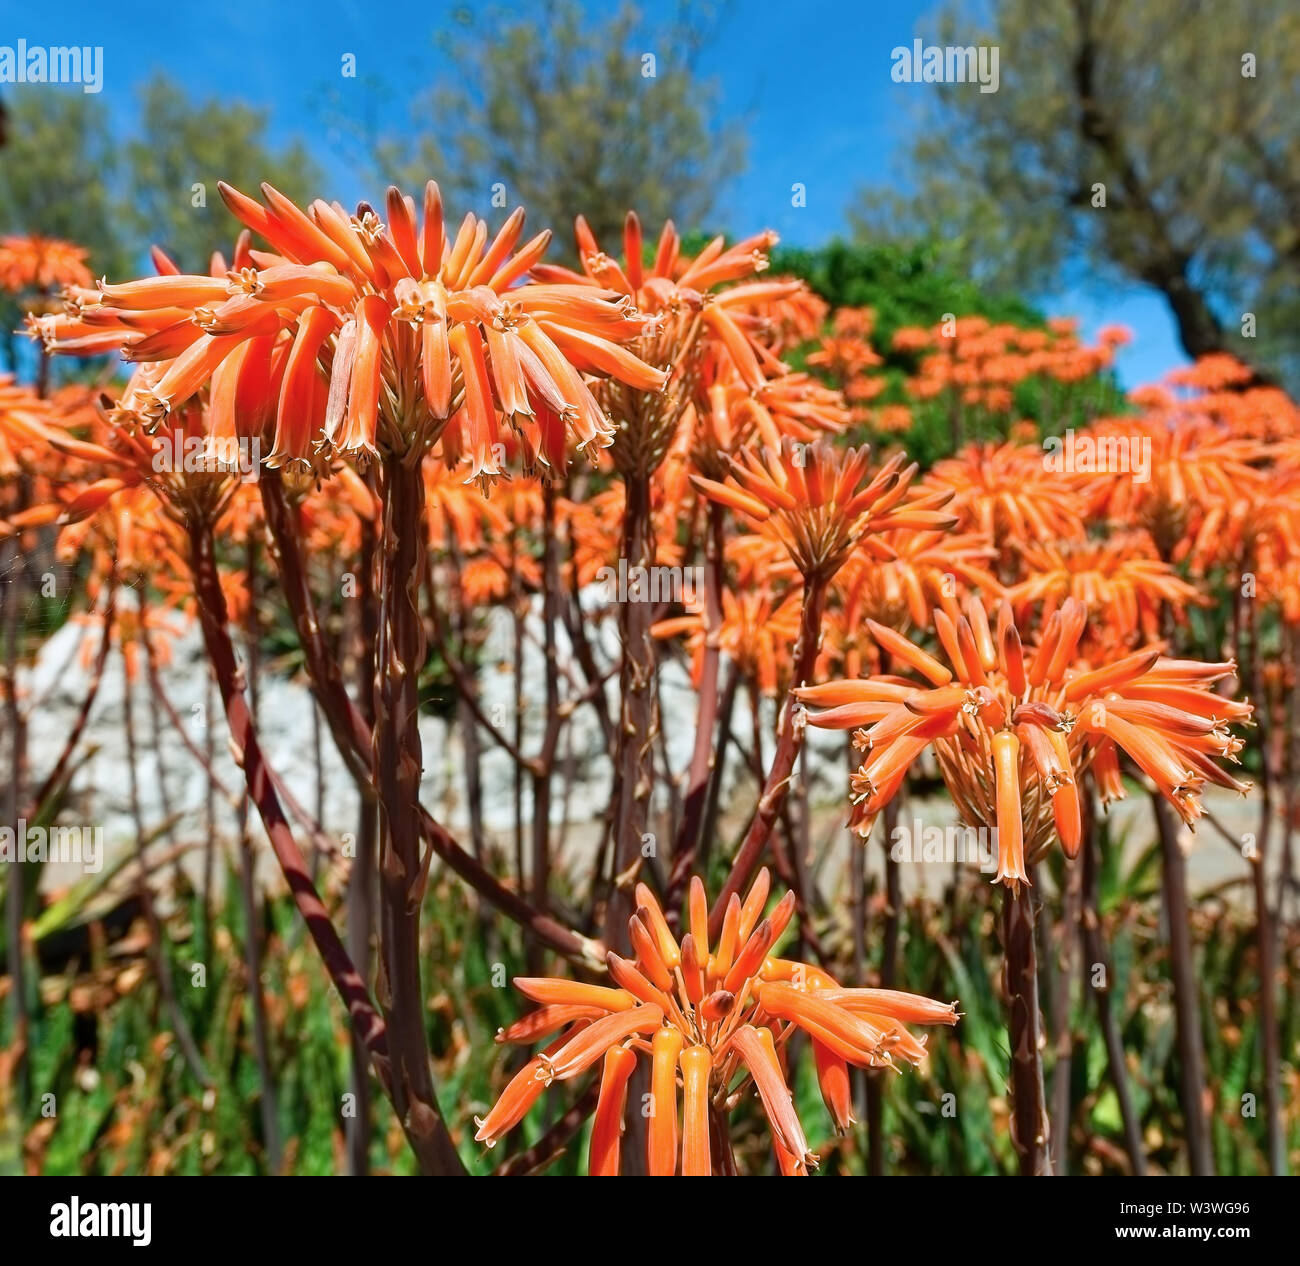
<point>366,1021</point>
<point>361,886</point>
<point>638,715</point>
<point>1271,739</point>
<point>888,971</point>
<point>398,763</point>
<point>352,736</point>
<point>575,625</point>
<point>465,718</point>
<point>150,656</point>
<point>248,894</point>
<point>1029,1125</point>
<point>541,860</point>
<point>15,889</point>
<point>60,766</point>
<point>1096,960</point>
<point>694,853</point>
<point>159,962</point>
<point>777,785</point>
<point>1061,1032</point>
<point>209,817</point>
<point>697,779</point>
<point>1182,967</point>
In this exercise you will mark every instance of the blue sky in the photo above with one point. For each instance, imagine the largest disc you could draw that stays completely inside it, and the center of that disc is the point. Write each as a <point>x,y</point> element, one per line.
<point>810,83</point>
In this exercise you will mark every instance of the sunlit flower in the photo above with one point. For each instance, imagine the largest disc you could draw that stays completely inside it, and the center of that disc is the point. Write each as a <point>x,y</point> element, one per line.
<point>153,636</point>
<point>792,405</point>
<point>24,419</point>
<point>1014,727</point>
<point>757,634</point>
<point>1121,579</point>
<point>818,501</point>
<point>1006,493</point>
<point>702,1018</point>
<point>711,322</point>
<point>352,336</point>
<point>1191,471</point>
<point>928,569</point>
<point>41,263</point>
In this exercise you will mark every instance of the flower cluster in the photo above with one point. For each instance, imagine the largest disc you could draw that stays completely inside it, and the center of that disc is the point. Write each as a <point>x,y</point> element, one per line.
<point>1014,726</point>
<point>714,1024</point>
<point>353,335</point>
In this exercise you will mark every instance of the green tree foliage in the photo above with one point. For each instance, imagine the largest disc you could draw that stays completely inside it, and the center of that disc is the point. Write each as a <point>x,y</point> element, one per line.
<point>569,115</point>
<point>902,285</point>
<point>909,285</point>
<point>57,172</point>
<point>1184,113</point>
<point>183,148</point>
<point>66,172</point>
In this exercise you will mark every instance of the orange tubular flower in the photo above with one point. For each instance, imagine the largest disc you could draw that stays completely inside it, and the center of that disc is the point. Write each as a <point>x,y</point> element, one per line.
<point>702,1018</point>
<point>1014,729</point>
<point>793,405</point>
<point>1006,493</point>
<point>1120,578</point>
<point>757,632</point>
<point>928,569</point>
<point>607,1129</point>
<point>815,502</point>
<point>24,422</point>
<point>662,1142</point>
<point>1193,468</point>
<point>358,336</point>
<point>719,340</point>
<point>1010,822</point>
<point>41,263</point>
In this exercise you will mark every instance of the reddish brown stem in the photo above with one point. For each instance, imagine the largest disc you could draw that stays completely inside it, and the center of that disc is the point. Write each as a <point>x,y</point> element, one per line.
<point>888,968</point>
<point>1182,965</point>
<point>554,721</point>
<point>1187,1006</point>
<point>352,736</point>
<point>361,885</point>
<point>1029,1128</point>
<point>398,761</point>
<point>697,779</point>
<point>248,894</point>
<point>156,951</point>
<point>1271,760</point>
<point>638,717</point>
<point>15,894</point>
<point>1061,1032</point>
<point>213,619</point>
<point>777,785</point>
<point>1096,959</point>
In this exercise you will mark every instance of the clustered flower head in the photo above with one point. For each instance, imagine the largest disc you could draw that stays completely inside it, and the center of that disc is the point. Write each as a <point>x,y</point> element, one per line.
<point>929,568</point>
<point>1014,727</point>
<point>755,633</point>
<point>351,336</point>
<point>1120,576</point>
<point>983,362</point>
<point>1196,470</point>
<point>818,502</point>
<point>23,418</point>
<point>715,330</point>
<point>41,263</point>
<point>713,1023</point>
<point>1007,493</point>
<point>735,415</point>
